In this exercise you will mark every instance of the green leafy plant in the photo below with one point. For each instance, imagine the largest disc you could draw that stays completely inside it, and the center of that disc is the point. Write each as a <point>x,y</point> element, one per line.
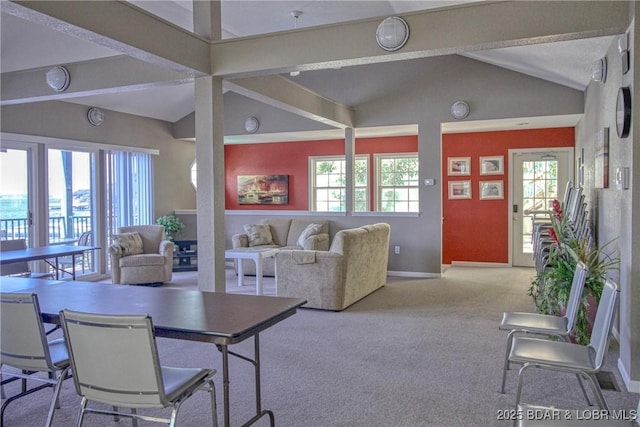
<point>172,225</point>
<point>550,288</point>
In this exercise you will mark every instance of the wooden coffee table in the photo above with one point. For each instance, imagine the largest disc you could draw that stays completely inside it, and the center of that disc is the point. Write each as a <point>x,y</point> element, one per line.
<point>257,255</point>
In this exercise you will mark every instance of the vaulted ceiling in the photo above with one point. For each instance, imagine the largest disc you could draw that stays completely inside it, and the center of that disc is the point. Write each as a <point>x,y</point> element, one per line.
<point>30,45</point>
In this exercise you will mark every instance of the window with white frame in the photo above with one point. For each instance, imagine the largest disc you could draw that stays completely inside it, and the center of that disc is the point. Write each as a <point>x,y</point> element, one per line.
<point>327,178</point>
<point>397,179</point>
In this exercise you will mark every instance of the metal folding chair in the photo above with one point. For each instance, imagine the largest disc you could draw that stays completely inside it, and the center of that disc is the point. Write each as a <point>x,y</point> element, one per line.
<point>24,347</point>
<point>582,360</point>
<point>544,324</point>
<point>115,362</point>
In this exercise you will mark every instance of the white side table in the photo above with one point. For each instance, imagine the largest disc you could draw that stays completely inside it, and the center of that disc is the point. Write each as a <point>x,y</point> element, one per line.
<point>257,255</point>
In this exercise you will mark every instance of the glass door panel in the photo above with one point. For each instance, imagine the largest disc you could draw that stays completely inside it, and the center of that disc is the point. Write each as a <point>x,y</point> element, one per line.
<point>71,201</point>
<point>15,212</point>
<point>536,179</point>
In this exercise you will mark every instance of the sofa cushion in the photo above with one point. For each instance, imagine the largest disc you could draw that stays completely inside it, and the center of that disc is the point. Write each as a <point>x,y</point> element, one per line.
<point>142,260</point>
<point>299,225</point>
<point>127,243</point>
<point>311,230</point>
<point>259,234</point>
<point>279,229</point>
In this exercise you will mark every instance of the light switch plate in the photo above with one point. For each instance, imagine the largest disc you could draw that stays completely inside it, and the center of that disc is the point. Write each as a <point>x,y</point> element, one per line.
<point>429,181</point>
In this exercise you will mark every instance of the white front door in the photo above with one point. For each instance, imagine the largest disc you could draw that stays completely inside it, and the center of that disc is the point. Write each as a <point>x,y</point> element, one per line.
<point>538,177</point>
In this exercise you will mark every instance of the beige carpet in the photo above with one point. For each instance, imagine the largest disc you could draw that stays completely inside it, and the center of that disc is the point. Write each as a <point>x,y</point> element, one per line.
<point>414,353</point>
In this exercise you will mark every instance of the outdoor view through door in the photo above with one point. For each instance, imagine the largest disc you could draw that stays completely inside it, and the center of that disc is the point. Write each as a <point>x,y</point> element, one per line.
<point>538,179</point>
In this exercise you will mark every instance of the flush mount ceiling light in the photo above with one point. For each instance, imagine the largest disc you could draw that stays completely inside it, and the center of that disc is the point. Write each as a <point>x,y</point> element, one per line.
<point>95,116</point>
<point>599,70</point>
<point>251,125</point>
<point>460,110</point>
<point>392,33</point>
<point>58,78</point>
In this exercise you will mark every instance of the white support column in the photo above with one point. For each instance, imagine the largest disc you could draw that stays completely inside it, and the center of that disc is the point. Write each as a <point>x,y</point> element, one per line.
<point>349,155</point>
<point>210,158</point>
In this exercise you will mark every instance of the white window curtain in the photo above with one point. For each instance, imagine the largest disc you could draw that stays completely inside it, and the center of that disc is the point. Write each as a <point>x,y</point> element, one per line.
<point>129,189</point>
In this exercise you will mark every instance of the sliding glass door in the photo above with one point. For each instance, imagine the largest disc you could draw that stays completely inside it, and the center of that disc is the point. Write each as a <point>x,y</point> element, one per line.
<point>16,202</point>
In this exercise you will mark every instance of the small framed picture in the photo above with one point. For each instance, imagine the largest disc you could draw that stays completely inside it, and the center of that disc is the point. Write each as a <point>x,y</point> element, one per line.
<point>492,165</point>
<point>459,189</point>
<point>491,190</point>
<point>459,166</point>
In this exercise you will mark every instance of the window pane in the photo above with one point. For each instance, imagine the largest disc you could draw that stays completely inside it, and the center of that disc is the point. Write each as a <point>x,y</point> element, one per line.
<point>398,181</point>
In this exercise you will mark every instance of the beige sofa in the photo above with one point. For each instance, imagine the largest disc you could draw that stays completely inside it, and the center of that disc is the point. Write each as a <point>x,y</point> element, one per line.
<point>354,266</point>
<point>285,233</point>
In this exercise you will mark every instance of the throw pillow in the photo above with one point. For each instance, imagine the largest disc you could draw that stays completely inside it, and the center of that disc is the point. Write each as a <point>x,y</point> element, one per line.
<point>259,234</point>
<point>311,230</point>
<point>128,243</point>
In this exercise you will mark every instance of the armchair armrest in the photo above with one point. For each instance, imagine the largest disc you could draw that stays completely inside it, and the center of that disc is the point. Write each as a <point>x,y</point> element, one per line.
<point>320,283</point>
<point>317,242</point>
<point>166,248</point>
<point>240,240</point>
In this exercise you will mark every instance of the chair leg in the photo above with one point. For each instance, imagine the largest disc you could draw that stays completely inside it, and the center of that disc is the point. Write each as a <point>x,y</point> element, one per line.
<point>595,386</point>
<point>584,391</point>
<point>56,394</point>
<point>83,406</point>
<point>520,381</point>
<point>134,420</point>
<point>506,359</point>
<point>214,406</point>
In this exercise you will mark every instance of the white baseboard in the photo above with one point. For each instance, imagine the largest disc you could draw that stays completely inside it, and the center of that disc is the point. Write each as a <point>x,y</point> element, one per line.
<point>414,274</point>
<point>479,264</point>
<point>632,385</point>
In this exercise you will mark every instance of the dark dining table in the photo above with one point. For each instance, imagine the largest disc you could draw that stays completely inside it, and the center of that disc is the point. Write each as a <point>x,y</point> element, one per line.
<point>46,253</point>
<point>218,318</point>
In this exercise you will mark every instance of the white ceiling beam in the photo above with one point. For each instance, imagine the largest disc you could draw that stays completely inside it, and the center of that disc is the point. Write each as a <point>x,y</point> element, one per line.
<point>101,76</point>
<point>452,30</point>
<point>123,27</point>
<point>289,96</point>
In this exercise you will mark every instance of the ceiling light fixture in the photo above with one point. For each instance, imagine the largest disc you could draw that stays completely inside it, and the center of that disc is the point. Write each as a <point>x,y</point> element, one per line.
<point>392,33</point>
<point>460,110</point>
<point>95,116</point>
<point>295,14</point>
<point>58,78</point>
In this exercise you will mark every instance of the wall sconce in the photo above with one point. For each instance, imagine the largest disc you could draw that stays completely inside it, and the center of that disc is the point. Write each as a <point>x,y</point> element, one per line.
<point>599,70</point>
<point>624,52</point>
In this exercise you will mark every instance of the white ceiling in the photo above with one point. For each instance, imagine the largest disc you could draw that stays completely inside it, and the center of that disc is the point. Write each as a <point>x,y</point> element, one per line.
<point>26,45</point>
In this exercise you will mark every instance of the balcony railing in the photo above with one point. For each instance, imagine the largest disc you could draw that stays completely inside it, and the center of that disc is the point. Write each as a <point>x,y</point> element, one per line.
<point>60,228</point>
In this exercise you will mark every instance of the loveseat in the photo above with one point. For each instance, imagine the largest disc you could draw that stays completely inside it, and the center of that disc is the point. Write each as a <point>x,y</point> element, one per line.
<point>282,233</point>
<point>354,266</point>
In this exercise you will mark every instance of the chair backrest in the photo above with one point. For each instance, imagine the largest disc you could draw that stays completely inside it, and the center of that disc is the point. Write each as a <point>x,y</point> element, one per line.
<point>114,358</point>
<point>14,267</point>
<point>575,295</point>
<point>151,236</point>
<point>85,239</point>
<point>604,321</point>
<point>23,342</point>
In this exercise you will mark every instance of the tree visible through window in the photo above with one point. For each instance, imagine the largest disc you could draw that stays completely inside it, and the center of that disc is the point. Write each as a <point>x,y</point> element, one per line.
<point>328,182</point>
<point>397,183</point>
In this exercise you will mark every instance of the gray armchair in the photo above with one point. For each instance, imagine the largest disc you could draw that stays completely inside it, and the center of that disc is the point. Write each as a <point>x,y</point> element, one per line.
<point>149,259</point>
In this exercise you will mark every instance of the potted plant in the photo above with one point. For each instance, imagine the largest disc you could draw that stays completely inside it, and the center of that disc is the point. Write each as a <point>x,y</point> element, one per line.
<point>551,287</point>
<point>172,225</point>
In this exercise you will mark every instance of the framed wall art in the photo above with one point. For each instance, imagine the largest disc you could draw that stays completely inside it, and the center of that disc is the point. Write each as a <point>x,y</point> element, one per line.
<point>492,165</point>
<point>263,189</point>
<point>459,166</point>
<point>491,190</point>
<point>459,189</point>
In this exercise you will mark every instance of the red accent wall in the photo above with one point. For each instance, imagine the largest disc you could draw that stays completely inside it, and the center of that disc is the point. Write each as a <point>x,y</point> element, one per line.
<point>292,158</point>
<point>476,230</point>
